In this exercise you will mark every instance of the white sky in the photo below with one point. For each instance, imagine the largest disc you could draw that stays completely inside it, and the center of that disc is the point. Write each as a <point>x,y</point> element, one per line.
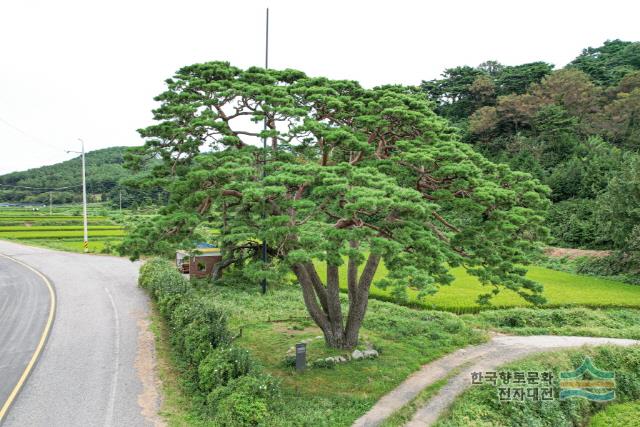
<point>90,69</point>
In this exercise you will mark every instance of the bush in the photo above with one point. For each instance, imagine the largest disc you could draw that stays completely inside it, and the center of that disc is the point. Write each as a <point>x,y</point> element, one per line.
<point>223,365</point>
<point>198,327</point>
<point>222,377</point>
<point>573,223</point>
<point>620,264</point>
<point>245,401</point>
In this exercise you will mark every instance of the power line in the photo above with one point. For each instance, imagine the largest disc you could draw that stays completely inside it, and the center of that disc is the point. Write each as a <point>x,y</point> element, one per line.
<point>33,138</point>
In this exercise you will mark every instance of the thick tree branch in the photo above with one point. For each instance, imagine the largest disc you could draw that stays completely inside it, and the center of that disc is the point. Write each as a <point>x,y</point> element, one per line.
<point>309,296</point>
<point>321,291</point>
<point>450,226</point>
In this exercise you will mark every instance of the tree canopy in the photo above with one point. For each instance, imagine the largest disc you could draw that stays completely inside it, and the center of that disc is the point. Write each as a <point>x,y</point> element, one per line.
<point>352,177</point>
<point>572,128</point>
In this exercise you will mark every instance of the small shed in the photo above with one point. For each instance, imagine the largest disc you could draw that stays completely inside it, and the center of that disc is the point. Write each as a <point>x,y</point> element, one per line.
<point>201,263</point>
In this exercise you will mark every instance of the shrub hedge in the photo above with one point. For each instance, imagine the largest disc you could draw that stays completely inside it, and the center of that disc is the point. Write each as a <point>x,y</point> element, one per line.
<point>225,383</point>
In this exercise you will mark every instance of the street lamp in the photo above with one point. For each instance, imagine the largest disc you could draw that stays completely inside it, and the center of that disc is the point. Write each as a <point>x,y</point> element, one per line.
<point>85,243</point>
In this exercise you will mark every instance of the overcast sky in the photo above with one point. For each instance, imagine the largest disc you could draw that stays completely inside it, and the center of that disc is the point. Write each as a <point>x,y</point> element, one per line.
<point>90,69</point>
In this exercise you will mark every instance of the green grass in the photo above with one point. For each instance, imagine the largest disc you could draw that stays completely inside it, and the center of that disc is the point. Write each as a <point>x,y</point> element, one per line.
<point>36,218</point>
<point>621,414</point>
<point>60,234</point>
<point>560,289</point>
<point>62,231</point>
<point>273,323</point>
<point>4,229</point>
<point>609,322</point>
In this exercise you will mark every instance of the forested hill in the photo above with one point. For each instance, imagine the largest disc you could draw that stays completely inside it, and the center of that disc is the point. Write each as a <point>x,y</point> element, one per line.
<point>577,129</point>
<point>104,171</point>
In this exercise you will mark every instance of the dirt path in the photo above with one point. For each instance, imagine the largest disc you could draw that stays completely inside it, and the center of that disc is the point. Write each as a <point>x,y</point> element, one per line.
<point>498,351</point>
<point>574,253</point>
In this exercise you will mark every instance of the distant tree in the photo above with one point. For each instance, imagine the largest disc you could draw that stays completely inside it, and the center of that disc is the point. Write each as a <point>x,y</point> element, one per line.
<point>517,79</point>
<point>104,170</point>
<point>517,112</point>
<point>483,122</point>
<point>354,177</point>
<point>574,91</point>
<point>608,64</point>
<point>483,91</point>
<point>628,83</point>
<point>491,67</point>
<point>585,172</point>
<point>619,206</point>
<point>452,93</point>
<point>621,119</point>
<point>574,223</point>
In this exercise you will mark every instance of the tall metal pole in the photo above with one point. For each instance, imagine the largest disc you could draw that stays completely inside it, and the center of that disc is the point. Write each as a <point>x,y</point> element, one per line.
<point>85,243</point>
<point>120,202</point>
<point>50,203</point>
<point>264,147</point>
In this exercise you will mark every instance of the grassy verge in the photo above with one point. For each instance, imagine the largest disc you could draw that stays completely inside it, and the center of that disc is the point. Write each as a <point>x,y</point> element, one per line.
<point>620,323</point>
<point>95,246</point>
<point>622,414</point>
<point>480,406</point>
<point>176,407</point>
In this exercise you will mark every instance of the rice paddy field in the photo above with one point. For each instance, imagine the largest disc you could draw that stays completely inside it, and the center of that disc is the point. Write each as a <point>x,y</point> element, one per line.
<point>63,231</point>
<point>560,289</point>
<point>62,228</point>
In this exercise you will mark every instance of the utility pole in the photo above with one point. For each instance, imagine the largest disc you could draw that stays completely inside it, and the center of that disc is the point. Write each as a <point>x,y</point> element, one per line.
<point>120,201</point>
<point>85,243</point>
<point>264,149</point>
<point>50,203</point>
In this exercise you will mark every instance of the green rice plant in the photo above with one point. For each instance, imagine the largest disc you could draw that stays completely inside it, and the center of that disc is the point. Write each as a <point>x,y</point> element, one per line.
<point>560,289</point>
<point>4,229</point>
<point>59,234</point>
<point>35,218</point>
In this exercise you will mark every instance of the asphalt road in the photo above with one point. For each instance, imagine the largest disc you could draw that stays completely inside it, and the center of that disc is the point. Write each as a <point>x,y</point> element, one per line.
<point>96,368</point>
<point>27,306</point>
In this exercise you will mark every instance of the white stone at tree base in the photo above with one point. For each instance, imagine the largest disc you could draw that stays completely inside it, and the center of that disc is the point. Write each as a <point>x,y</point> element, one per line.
<point>357,354</point>
<point>370,353</point>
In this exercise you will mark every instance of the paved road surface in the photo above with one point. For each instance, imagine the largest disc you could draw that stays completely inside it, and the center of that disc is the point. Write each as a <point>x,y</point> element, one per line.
<point>27,307</point>
<point>97,367</point>
<point>485,357</point>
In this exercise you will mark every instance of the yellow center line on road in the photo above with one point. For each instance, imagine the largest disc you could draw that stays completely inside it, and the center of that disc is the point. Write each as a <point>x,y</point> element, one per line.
<point>43,339</point>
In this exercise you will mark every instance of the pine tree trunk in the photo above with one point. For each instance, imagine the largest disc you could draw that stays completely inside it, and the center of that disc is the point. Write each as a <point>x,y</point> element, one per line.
<point>323,303</point>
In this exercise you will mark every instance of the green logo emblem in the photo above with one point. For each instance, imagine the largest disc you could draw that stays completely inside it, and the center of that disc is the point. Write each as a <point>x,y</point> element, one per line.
<point>588,382</point>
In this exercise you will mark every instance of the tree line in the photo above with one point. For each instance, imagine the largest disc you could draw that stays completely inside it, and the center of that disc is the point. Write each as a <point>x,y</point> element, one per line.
<point>577,129</point>
<point>106,182</point>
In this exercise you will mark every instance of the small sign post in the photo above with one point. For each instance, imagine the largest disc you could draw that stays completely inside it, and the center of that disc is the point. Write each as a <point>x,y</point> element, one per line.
<point>301,357</point>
